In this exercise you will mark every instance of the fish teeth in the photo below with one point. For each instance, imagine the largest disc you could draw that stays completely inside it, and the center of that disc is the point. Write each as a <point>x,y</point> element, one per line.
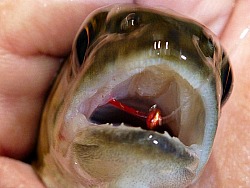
<point>194,149</point>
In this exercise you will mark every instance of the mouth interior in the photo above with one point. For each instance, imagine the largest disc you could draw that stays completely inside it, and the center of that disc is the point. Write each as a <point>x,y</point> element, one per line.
<point>181,106</point>
<point>109,113</point>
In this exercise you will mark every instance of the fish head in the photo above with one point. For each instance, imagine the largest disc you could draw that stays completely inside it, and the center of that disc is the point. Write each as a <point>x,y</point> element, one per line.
<point>127,64</point>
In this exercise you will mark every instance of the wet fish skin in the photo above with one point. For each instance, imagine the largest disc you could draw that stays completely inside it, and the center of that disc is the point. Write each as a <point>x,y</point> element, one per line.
<point>74,153</point>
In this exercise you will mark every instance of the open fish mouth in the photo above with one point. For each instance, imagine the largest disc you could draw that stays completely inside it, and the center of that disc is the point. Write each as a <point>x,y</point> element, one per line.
<point>156,89</point>
<point>117,119</point>
<point>136,104</point>
<point>113,120</point>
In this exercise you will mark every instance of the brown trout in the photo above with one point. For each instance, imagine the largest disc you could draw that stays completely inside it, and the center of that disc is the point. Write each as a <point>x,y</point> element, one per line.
<point>136,103</point>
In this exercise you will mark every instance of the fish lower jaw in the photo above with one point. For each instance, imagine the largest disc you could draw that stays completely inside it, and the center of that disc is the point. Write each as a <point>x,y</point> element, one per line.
<point>123,126</point>
<point>128,151</point>
<point>150,136</point>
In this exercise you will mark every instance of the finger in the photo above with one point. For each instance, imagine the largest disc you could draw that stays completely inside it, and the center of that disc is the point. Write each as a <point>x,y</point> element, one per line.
<point>213,14</point>
<point>33,37</point>
<point>230,162</point>
<point>17,174</point>
<point>43,26</point>
<point>23,83</point>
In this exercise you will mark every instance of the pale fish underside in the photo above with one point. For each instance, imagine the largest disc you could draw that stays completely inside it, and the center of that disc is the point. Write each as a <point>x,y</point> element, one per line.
<point>136,104</point>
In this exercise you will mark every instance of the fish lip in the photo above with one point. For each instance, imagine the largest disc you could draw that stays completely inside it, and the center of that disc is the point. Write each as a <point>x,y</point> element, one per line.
<point>130,149</point>
<point>140,137</point>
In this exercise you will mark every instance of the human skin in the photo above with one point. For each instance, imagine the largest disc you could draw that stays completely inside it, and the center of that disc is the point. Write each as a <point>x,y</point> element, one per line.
<point>36,35</point>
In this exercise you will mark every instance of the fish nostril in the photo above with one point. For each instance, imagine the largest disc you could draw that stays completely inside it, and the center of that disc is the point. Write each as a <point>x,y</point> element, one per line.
<point>130,22</point>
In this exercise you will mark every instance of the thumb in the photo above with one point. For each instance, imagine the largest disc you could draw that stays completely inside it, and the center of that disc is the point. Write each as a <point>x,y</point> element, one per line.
<point>34,36</point>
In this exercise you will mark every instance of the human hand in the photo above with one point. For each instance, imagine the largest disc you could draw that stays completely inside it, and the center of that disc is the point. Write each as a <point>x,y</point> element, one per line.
<point>36,35</point>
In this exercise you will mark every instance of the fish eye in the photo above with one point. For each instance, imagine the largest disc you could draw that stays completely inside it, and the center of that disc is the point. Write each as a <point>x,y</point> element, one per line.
<point>226,78</point>
<point>130,22</point>
<point>211,47</point>
<point>207,46</point>
<point>82,45</point>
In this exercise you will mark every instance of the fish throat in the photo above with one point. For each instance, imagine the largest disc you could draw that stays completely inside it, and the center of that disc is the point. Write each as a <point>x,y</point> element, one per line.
<point>151,120</point>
